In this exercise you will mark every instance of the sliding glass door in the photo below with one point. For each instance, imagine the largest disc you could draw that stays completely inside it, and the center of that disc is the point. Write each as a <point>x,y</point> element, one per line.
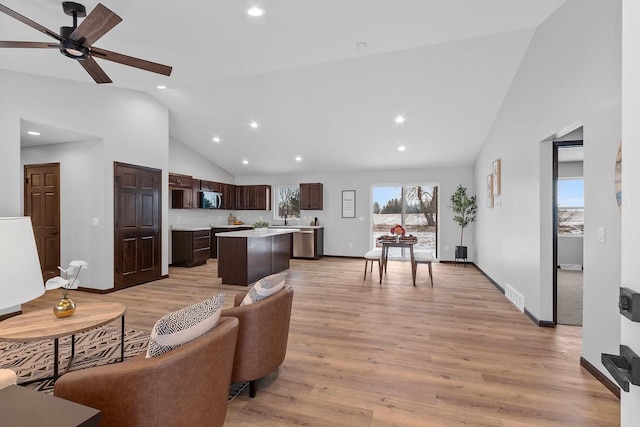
<point>415,207</point>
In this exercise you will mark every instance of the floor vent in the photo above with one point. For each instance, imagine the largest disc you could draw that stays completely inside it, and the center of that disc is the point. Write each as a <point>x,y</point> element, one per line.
<point>514,296</point>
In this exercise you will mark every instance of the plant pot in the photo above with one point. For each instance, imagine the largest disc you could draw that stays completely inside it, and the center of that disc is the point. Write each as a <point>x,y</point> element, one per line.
<point>461,252</point>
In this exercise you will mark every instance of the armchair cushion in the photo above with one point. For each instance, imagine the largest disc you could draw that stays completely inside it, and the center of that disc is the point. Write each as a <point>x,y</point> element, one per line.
<point>264,287</point>
<point>177,328</point>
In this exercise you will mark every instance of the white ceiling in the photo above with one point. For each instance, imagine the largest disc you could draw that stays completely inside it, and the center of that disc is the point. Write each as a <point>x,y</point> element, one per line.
<point>445,65</point>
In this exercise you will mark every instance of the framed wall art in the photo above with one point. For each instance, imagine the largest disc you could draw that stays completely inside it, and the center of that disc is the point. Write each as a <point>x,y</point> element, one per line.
<point>496,177</point>
<point>490,190</point>
<point>348,203</point>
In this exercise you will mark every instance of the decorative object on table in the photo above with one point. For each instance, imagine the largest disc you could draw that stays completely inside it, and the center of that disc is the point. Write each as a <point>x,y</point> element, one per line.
<point>66,307</point>
<point>20,273</point>
<point>231,220</point>
<point>348,203</point>
<point>495,172</point>
<point>398,230</point>
<point>260,226</point>
<point>465,208</point>
<point>409,238</point>
<point>489,191</point>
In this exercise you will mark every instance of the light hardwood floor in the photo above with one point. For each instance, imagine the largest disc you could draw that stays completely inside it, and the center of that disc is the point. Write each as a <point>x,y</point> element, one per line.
<point>365,354</point>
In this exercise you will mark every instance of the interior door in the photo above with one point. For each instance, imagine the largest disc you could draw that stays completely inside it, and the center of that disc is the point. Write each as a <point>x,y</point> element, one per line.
<point>42,204</point>
<point>137,222</point>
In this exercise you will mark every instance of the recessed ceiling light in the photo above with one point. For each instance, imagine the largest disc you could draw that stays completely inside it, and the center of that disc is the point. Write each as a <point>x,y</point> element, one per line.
<point>161,87</point>
<point>298,159</point>
<point>361,45</point>
<point>402,148</point>
<point>254,124</point>
<point>399,119</point>
<point>216,139</point>
<point>33,133</point>
<point>255,11</point>
<point>245,162</point>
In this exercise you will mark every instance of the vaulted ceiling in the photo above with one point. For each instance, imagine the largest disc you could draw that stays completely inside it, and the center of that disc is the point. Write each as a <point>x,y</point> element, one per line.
<point>296,71</point>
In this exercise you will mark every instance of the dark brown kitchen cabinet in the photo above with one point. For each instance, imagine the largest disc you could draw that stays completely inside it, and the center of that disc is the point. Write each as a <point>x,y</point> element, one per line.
<point>184,191</point>
<point>228,196</point>
<point>311,196</point>
<point>210,185</point>
<point>189,248</point>
<point>180,181</point>
<point>185,198</point>
<point>213,247</point>
<point>253,197</point>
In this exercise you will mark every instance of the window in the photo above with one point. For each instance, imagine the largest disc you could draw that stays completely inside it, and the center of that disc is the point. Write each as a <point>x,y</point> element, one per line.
<point>571,206</point>
<point>287,202</point>
<point>414,207</point>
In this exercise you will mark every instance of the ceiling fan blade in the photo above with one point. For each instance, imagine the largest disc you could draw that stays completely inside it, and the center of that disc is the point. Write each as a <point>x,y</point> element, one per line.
<point>131,61</point>
<point>94,70</point>
<point>95,25</point>
<point>30,23</point>
<point>31,45</point>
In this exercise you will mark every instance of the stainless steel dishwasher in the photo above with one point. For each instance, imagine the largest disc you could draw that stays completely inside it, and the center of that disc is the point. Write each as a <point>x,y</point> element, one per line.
<point>303,244</point>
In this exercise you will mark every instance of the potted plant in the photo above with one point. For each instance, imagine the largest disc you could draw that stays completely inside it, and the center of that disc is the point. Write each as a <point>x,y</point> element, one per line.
<point>465,208</point>
<point>260,226</point>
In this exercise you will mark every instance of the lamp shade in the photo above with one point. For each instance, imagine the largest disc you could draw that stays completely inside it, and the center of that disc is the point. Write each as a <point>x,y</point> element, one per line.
<point>20,274</point>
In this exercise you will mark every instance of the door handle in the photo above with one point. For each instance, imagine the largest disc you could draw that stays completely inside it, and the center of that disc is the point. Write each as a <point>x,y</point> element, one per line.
<point>54,232</point>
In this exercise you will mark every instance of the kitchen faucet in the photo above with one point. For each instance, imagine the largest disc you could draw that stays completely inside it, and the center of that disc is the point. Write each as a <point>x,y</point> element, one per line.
<point>285,219</point>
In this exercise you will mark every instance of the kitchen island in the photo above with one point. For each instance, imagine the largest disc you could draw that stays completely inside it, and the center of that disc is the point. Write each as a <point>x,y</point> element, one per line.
<point>247,256</point>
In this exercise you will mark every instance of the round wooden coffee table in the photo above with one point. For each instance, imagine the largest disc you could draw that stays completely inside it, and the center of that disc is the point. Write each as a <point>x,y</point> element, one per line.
<point>42,324</point>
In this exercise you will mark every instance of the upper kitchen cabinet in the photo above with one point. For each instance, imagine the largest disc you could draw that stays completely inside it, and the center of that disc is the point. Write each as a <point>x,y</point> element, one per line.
<point>311,197</point>
<point>228,196</point>
<point>184,191</point>
<point>180,181</point>
<point>210,185</point>
<point>253,197</point>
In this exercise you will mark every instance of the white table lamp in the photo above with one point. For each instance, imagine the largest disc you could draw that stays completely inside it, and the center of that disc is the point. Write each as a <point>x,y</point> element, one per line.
<point>20,273</point>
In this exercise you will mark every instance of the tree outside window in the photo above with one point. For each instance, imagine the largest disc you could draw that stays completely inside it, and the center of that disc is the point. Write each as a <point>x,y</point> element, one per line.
<point>415,207</point>
<point>287,202</point>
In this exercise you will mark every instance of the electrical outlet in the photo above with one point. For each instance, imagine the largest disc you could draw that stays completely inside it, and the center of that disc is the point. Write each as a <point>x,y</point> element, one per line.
<point>446,248</point>
<point>350,245</point>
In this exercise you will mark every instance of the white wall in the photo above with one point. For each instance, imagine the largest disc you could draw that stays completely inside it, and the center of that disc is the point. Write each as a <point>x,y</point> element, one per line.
<point>80,201</point>
<point>570,76</point>
<point>132,125</point>
<point>184,160</point>
<point>352,236</point>
<point>630,331</point>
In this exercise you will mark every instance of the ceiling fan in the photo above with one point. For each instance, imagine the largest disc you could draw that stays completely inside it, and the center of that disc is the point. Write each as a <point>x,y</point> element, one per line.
<point>77,41</point>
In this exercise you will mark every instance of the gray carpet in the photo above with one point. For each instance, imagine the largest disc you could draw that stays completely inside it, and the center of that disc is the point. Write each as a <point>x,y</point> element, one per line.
<point>569,297</point>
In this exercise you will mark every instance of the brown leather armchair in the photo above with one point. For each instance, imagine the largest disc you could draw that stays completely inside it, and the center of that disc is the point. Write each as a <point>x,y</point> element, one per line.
<point>262,337</point>
<point>187,386</point>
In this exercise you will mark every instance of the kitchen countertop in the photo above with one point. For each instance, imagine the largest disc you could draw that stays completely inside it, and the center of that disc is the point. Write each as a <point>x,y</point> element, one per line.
<point>189,228</point>
<point>296,226</point>
<point>231,226</point>
<point>253,233</point>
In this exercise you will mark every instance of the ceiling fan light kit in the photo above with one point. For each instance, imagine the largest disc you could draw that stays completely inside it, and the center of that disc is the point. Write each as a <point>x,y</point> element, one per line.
<point>76,41</point>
